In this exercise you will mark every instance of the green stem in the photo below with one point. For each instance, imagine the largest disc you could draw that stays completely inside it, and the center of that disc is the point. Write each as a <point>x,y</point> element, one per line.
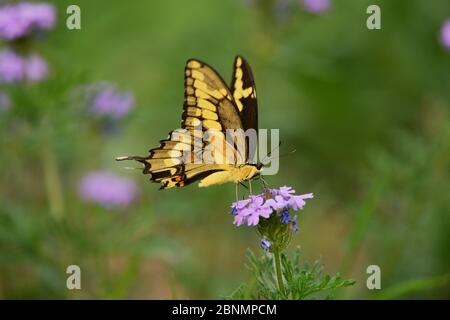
<point>52,182</point>
<point>276,255</point>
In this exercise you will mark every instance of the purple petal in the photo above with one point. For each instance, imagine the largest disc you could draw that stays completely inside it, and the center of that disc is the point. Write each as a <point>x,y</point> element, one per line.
<point>298,202</point>
<point>445,34</point>
<point>286,191</point>
<point>238,220</point>
<point>253,220</point>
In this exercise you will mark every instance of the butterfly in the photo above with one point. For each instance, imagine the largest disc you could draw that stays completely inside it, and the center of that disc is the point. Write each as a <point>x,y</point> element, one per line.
<point>213,107</point>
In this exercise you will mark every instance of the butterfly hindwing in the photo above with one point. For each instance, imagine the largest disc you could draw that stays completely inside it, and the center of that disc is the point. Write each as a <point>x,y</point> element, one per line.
<point>244,93</point>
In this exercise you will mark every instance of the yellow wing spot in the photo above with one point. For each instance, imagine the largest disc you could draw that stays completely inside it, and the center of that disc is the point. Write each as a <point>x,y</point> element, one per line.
<point>246,92</point>
<point>187,72</point>
<point>210,124</point>
<point>238,62</point>
<point>181,137</point>
<point>205,104</point>
<point>201,94</point>
<point>224,92</point>
<point>194,112</point>
<point>191,100</point>
<point>189,90</point>
<point>171,162</point>
<point>197,75</point>
<point>209,115</point>
<point>194,64</point>
<point>238,84</point>
<point>238,103</point>
<point>189,121</point>
<point>239,73</point>
<point>182,147</point>
<point>204,87</point>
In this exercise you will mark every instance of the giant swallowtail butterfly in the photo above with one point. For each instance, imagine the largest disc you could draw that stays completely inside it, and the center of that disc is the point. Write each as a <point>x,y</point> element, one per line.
<point>214,107</point>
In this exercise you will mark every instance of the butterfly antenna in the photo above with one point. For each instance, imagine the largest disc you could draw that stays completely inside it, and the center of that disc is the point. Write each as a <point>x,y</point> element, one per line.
<point>285,154</point>
<point>270,152</point>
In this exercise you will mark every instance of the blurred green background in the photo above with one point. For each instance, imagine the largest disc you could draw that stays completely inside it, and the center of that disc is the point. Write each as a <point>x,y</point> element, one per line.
<point>366,110</point>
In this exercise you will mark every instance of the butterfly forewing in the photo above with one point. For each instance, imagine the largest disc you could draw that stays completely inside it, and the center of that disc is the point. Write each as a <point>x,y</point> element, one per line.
<point>209,105</point>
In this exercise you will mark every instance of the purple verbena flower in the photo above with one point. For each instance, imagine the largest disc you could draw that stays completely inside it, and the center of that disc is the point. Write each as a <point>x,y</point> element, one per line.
<point>445,34</point>
<point>5,102</point>
<point>20,20</point>
<point>108,189</point>
<point>265,243</point>
<point>249,211</point>
<point>11,66</point>
<point>316,6</point>
<point>106,100</point>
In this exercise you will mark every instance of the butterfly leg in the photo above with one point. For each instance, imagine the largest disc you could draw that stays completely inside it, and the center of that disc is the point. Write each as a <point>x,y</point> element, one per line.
<point>250,186</point>
<point>264,182</point>
<point>237,195</point>
<point>242,184</point>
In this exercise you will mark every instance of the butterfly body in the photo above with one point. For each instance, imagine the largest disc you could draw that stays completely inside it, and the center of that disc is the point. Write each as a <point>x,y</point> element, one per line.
<point>201,150</point>
<point>233,174</point>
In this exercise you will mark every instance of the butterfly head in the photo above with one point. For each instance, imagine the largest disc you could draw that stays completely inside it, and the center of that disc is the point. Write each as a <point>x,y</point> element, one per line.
<point>259,166</point>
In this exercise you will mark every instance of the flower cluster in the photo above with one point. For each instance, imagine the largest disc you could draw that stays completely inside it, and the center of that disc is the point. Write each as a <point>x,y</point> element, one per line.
<point>22,19</point>
<point>249,211</point>
<point>445,34</point>
<point>283,8</point>
<point>108,189</point>
<point>15,68</point>
<point>104,99</point>
<point>316,6</point>
<point>272,202</point>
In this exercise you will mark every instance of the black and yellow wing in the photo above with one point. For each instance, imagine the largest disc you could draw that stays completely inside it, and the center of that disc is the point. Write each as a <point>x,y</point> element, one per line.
<point>209,105</point>
<point>244,93</point>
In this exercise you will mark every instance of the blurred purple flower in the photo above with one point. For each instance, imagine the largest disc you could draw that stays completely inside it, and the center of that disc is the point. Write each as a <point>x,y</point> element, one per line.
<point>5,102</point>
<point>108,189</point>
<point>36,68</point>
<point>106,100</point>
<point>316,6</point>
<point>11,66</point>
<point>445,34</point>
<point>14,68</point>
<point>249,211</point>
<point>19,20</point>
